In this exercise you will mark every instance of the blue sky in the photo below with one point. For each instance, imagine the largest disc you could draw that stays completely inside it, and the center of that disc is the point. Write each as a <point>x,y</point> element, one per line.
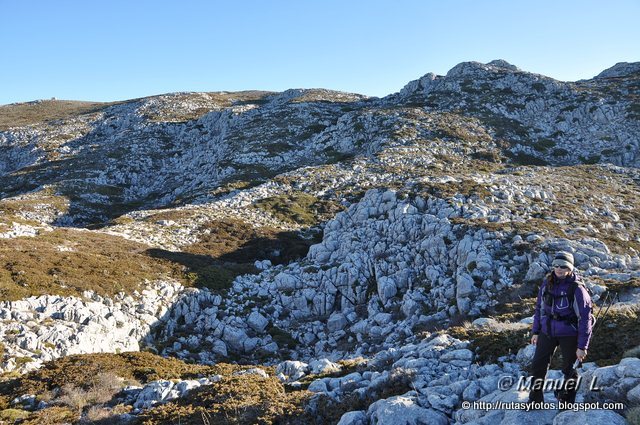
<point>116,50</point>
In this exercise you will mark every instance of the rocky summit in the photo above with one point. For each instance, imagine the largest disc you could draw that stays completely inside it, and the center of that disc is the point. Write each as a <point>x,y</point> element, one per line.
<point>314,256</point>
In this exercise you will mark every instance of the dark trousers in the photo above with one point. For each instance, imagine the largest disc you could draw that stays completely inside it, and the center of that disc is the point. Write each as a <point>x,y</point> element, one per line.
<point>545,348</point>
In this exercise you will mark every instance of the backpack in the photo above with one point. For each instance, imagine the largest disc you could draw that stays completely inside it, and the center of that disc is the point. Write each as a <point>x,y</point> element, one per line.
<point>572,319</point>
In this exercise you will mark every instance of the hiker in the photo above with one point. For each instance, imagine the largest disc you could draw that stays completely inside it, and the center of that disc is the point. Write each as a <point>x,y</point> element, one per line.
<point>562,317</point>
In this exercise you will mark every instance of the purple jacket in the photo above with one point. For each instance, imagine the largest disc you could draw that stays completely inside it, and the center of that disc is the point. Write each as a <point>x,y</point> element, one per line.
<point>581,309</point>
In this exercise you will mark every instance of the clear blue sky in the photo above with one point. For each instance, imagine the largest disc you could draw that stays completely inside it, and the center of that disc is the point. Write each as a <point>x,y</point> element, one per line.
<point>123,49</point>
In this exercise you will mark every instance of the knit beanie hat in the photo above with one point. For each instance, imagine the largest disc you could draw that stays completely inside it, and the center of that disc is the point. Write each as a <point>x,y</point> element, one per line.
<point>563,258</point>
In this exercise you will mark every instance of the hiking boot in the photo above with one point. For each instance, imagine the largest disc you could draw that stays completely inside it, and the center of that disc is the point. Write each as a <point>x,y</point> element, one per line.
<point>536,398</point>
<point>533,405</point>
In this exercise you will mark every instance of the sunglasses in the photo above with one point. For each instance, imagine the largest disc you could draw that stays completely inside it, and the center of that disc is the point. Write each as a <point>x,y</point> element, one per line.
<point>562,267</point>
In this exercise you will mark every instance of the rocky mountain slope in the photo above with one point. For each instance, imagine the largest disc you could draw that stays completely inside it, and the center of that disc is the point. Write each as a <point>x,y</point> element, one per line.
<point>376,258</point>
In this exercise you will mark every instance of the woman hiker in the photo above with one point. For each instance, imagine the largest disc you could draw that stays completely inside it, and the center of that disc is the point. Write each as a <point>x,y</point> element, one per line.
<point>562,317</point>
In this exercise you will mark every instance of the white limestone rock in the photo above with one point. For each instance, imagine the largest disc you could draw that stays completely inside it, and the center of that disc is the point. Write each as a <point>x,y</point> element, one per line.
<point>234,338</point>
<point>183,387</point>
<point>484,322</point>
<point>386,288</point>
<point>318,386</point>
<point>357,417</point>
<point>257,321</point>
<point>337,321</point>
<point>536,272</point>
<point>323,366</point>
<point>252,371</point>
<point>403,410</point>
<point>462,354</point>
<point>634,395</point>
<point>155,392</point>
<point>525,355</point>
<point>608,417</point>
<point>629,367</point>
<point>291,370</point>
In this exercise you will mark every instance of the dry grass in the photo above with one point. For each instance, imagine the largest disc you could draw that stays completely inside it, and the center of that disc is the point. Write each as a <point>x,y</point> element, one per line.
<point>516,302</point>
<point>616,337</point>
<point>246,399</point>
<point>239,242</point>
<point>99,390</point>
<point>12,415</point>
<point>95,373</point>
<point>86,384</point>
<point>55,415</point>
<point>22,114</point>
<point>74,398</point>
<point>299,208</point>
<point>99,414</point>
<point>103,263</point>
<point>461,128</point>
<point>68,262</point>
<point>43,203</point>
<point>228,248</point>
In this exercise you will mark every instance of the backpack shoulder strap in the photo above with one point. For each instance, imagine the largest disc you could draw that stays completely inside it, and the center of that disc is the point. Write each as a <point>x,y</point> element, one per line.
<point>572,295</point>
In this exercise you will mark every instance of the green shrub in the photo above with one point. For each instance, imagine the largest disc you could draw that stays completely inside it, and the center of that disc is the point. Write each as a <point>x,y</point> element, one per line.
<point>593,159</point>
<point>539,87</point>
<point>21,361</point>
<point>560,152</point>
<point>522,158</point>
<point>543,145</point>
<point>282,338</point>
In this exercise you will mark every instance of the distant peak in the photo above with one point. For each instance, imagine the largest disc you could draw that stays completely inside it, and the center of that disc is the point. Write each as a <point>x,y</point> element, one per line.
<point>501,63</point>
<point>466,68</point>
<point>315,95</point>
<point>620,70</point>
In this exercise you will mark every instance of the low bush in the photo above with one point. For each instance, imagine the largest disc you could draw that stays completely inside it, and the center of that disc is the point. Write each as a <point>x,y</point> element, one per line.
<point>299,208</point>
<point>55,415</point>
<point>489,344</point>
<point>245,399</point>
<point>12,415</point>
<point>615,335</point>
<point>99,374</point>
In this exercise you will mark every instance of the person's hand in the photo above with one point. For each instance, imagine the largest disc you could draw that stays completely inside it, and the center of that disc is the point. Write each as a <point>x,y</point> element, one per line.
<point>581,354</point>
<point>534,339</point>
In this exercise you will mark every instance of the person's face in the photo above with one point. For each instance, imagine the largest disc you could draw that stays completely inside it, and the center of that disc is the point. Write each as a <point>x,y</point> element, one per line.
<point>561,271</point>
